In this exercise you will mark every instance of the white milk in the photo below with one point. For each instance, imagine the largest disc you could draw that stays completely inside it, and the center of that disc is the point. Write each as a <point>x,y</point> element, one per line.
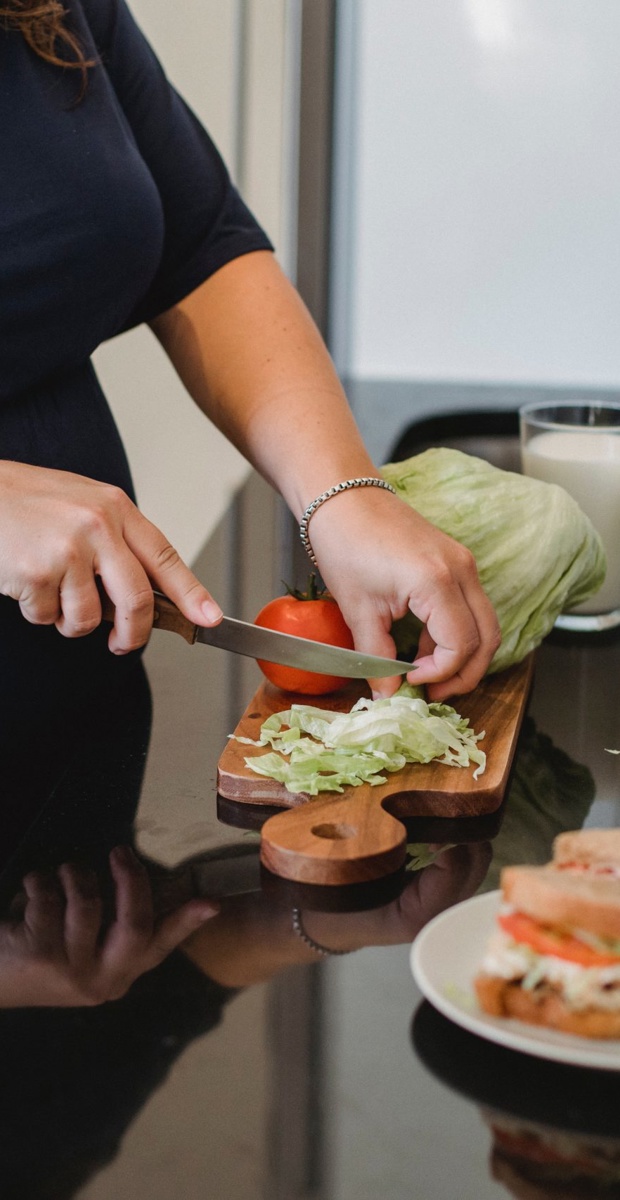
<point>586,462</point>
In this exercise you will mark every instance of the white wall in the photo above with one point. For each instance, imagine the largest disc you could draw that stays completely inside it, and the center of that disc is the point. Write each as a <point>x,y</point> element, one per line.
<point>477,209</point>
<point>234,62</point>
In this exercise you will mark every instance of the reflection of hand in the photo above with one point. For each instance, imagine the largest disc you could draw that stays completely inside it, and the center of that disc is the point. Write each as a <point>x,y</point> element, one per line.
<point>253,938</point>
<point>57,951</point>
<point>454,875</point>
<point>61,532</point>
<point>380,559</point>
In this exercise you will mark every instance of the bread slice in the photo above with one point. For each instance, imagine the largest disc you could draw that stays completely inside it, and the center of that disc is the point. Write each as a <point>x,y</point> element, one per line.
<point>588,847</point>
<point>519,1179</point>
<point>564,899</point>
<point>541,1162</point>
<point>544,1006</point>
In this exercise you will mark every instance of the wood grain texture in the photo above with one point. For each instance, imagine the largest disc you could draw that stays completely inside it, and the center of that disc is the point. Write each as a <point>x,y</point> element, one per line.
<point>349,836</point>
<point>331,840</point>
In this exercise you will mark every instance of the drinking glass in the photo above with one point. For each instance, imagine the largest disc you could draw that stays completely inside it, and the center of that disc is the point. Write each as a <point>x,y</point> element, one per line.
<point>577,444</point>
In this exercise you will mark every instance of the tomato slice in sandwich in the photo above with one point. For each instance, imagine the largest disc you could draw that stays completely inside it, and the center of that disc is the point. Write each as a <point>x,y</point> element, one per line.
<point>545,940</point>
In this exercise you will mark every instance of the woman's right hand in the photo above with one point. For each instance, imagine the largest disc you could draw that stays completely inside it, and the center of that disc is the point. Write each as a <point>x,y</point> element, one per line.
<point>57,950</point>
<point>61,533</point>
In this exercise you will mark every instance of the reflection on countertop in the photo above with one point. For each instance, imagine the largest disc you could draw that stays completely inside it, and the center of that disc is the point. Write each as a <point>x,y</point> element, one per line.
<point>554,1127</point>
<point>248,1065</point>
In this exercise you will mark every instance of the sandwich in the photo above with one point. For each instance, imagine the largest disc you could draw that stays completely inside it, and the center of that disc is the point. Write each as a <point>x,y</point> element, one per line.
<point>596,851</point>
<point>536,1162</point>
<point>554,956</point>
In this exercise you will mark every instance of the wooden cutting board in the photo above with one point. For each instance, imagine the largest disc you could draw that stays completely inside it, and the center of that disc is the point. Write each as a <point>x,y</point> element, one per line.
<point>350,837</point>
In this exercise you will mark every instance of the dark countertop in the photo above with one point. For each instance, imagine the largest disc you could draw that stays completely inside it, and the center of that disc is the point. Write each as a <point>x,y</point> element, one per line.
<point>305,1079</point>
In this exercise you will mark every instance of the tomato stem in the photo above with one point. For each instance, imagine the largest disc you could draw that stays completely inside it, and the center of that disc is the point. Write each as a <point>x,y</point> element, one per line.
<point>312,592</point>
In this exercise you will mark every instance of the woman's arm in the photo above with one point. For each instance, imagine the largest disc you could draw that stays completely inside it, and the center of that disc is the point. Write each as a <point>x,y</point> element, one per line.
<point>251,357</point>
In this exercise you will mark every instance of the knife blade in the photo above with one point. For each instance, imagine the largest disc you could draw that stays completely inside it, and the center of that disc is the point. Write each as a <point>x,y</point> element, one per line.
<point>272,646</point>
<point>254,641</point>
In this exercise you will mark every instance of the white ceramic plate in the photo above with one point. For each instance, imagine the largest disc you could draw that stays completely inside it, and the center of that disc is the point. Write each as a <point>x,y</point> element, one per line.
<point>445,958</point>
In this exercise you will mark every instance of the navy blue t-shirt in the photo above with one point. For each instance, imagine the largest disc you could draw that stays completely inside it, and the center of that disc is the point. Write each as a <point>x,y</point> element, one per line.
<point>111,211</point>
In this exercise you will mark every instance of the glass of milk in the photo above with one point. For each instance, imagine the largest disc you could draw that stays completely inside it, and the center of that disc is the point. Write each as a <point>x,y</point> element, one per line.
<point>577,444</point>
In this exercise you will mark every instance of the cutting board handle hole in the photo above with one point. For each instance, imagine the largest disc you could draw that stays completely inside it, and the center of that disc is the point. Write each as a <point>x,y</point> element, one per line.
<point>333,832</point>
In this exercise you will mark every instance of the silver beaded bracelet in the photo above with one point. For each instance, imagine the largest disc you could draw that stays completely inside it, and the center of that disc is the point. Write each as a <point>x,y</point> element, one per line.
<point>345,486</point>
<point>316,946</point>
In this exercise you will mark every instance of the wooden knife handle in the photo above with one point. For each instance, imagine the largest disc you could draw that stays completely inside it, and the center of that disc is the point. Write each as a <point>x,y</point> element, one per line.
<point>166,616</point>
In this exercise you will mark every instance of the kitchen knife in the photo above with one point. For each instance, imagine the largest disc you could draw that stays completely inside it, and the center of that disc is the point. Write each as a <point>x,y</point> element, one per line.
<point>257,642</point>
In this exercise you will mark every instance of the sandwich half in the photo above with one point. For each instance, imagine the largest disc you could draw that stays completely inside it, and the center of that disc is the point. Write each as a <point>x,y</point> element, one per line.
<point>537,1162</point>
<point>554,957</point>
<point>596,851</point>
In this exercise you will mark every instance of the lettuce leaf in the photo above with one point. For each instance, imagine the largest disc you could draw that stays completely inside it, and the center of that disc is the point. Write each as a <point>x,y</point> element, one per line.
<point>537,553</point>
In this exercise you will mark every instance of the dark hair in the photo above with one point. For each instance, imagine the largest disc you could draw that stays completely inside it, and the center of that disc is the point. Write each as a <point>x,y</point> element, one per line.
<point>42,23</point>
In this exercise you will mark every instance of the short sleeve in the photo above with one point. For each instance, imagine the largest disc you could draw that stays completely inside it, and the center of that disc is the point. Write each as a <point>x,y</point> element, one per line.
<point>206,223</point>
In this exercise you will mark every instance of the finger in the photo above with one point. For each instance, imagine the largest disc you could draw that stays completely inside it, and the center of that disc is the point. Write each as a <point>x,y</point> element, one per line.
<point>127,585</point>
<point>79,602</point>
<point>44,912</point>
<point>488,625</point>
<point>168,571</point>
<point>469,674</point>
<point>449,638</point>
<point>179,925</point>
<point>454,876</point>
<point>372,637</point>
<point>458,642</point>
<point>40,602</point>
<point>382,687</point>
<point>17,906</point>
<point>83,913</point>
<point>132,929</point>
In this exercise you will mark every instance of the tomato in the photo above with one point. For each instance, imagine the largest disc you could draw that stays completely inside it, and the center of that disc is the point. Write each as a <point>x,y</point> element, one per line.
<point>528,1145</point>
<point>545,940</point>
<point>315,615</point>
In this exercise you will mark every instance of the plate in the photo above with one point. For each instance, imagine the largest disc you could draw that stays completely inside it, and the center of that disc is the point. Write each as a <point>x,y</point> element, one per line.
<point>445,958</point>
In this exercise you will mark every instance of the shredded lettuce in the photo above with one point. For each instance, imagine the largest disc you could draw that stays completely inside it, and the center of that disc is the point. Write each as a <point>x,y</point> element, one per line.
<point>316,750</point>
<point>420,855</point>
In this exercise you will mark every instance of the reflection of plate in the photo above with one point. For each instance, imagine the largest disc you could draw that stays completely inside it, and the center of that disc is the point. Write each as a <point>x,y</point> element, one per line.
<point>528,1088</point>
<point>446,956</point>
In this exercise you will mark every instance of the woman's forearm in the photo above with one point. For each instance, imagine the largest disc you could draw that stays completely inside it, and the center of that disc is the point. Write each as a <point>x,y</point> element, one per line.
<point>253,360</point>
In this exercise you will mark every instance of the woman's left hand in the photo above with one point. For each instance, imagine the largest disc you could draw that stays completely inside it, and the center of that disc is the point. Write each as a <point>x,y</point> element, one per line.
<point>381,559</point>
<point>454,875</point>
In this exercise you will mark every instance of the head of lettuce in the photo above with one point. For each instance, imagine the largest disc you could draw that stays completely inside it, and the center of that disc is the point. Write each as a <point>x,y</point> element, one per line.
<point>537,553</point>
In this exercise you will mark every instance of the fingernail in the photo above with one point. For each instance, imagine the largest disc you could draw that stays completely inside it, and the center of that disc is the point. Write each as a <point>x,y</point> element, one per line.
<point>212,611</point>
<point>207,911</point>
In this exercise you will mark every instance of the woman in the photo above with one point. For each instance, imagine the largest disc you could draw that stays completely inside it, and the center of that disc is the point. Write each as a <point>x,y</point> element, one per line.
<point>116,209</point>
